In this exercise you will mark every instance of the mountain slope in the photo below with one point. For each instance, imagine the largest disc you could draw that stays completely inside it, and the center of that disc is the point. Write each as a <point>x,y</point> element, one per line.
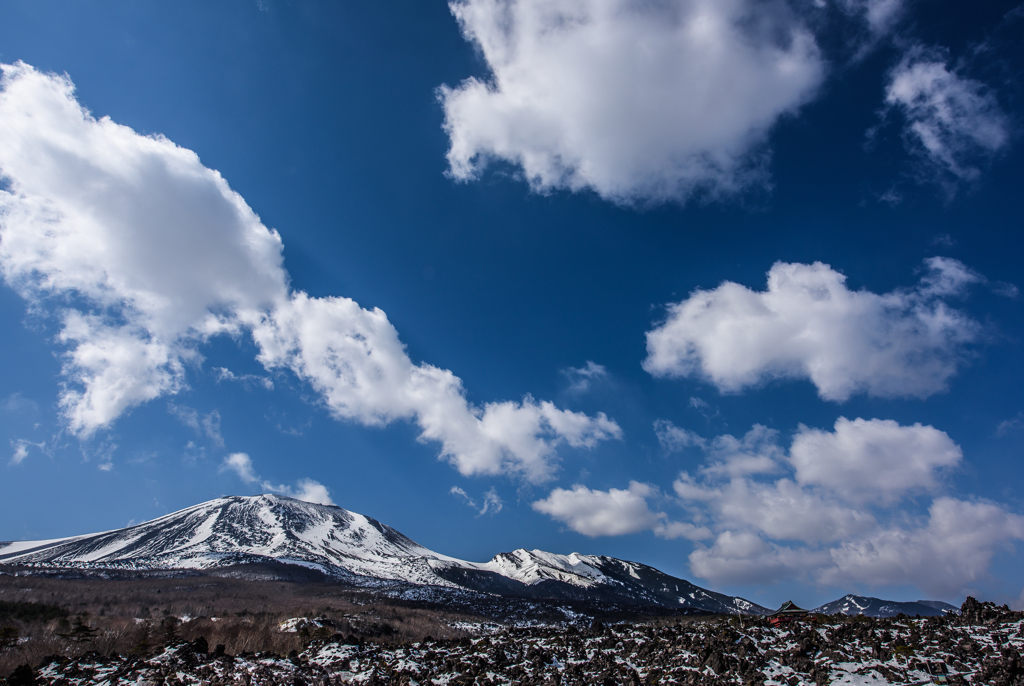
<point>243,530</point>
<point>360,550</point>
<point>875,607</point>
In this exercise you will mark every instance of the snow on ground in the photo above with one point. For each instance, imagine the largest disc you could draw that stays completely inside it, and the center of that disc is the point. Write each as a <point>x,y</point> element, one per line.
<point>981,648</point>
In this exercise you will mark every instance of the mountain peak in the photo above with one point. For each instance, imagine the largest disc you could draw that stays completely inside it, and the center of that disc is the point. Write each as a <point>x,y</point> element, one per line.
<point>853,604</point>
<point>240,530</point>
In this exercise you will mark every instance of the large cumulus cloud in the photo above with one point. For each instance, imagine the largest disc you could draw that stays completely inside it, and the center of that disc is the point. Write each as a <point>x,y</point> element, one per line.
<point>835,507</point>
<point>808,324</point>
<point>640,102</point>
<point>142,254</point>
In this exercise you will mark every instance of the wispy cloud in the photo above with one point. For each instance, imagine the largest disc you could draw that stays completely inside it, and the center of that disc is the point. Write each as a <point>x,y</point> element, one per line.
<point>582,379</point>
<point>203,424</point>
<point>674,439</point>
<point>953,123</point>
<point>225,374</point>
<point>492,502</point>
<point>1012,424</point>
<point>16,402</point>
<point>20,448</point>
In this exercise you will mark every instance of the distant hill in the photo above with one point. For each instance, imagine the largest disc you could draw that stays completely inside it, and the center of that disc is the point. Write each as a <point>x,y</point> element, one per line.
<point>876,607</point>
<point>356,549</point>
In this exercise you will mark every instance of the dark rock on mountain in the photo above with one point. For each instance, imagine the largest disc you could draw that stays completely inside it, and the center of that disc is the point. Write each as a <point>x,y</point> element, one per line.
<point>974,613</point>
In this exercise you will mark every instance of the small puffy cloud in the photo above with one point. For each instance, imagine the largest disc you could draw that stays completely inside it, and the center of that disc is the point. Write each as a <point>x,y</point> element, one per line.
<point>240,464</point>
<point>639,102</point>
<point>143,254</point>
<point>305,489</point>
<point>873,459</point>
<point>613,512</point>
<point>582,378</point>
<point>830,510</point>
<point>601,513</point>
<point>953,123</point>
<point>809,325</point>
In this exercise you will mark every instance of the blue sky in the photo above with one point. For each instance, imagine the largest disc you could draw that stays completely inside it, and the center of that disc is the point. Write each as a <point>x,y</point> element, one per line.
<point>728,288</point>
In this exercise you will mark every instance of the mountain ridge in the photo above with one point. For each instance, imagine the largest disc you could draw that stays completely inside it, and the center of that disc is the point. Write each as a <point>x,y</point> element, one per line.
<point>852,604</point>
<point>356,549</point>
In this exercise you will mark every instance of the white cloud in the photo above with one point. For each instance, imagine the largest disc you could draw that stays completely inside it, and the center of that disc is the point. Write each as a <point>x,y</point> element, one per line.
<point>225,374</point>
<point>240,464</point>
<point>808,324</point>
<point>881,16</point>
<point>674,439</point>
<point>1008,425</point>
<point>952,122</point>
<point>953,550</point>
<point>145,251</point>
<point>20,448</point>
<point>636,101</point>
<point>202,424</point>
<point>581,379</point>
<point>873,459</point>
<point>20,451</point>
<point>757,452</point>
<point>306,489</point>
<point>705,409</point>
<point>743,557</point>
<point>831,510</point>
<point>354,359</point>
<point>613,512</point>
<point>143,254</point>
<point>492,502</point>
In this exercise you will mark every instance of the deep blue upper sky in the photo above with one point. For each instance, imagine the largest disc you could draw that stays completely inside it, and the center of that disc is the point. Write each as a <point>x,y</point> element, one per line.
<point>660,161</point>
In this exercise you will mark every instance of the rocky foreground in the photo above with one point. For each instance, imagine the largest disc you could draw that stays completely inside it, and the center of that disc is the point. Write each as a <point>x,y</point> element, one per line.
<point>980,646</point>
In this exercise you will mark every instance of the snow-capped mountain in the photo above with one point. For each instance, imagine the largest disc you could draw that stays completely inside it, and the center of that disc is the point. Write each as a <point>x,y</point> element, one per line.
<point>360,550</point>
<point>875,607</point>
